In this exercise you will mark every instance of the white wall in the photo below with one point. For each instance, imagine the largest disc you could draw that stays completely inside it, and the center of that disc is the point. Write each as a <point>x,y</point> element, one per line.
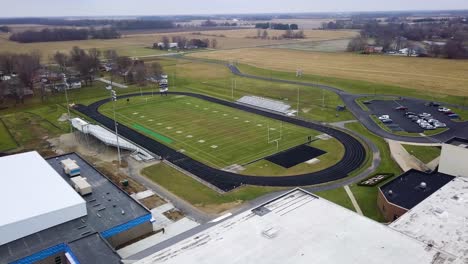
<point>20,229</point>
<point>454,160</point>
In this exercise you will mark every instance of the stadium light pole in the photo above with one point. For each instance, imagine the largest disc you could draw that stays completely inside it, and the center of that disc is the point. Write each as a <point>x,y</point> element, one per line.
<point>114,99</point>
<point>298,97</point>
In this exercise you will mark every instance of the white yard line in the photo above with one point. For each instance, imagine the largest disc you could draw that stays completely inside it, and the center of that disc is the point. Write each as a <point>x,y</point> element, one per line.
<point>353,200</point>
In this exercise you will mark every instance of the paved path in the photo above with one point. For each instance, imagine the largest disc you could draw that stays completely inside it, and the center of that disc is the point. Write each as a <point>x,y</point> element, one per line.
<point>353,200</point>
<point>113,83</point>
<point>405,160</point>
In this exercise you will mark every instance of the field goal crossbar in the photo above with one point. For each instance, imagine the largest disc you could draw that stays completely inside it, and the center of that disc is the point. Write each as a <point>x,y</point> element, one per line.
<point>269,140</point>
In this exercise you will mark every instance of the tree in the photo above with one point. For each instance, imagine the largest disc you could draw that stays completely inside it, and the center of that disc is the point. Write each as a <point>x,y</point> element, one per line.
<point>214,43</point>
<point>156,69</point>
<point>454,49</point>
<point>140,73</point>
<point>7,63</point>
<point>26,66</point>
<point>358,43</point>
<point>123,63</point>
<point>111,55</point>
<point>62,60</point>
<point>165,41</point>
<point>265,34</point>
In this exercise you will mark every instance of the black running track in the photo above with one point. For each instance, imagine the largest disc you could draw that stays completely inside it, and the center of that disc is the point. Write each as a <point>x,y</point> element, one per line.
<point>353,158</point>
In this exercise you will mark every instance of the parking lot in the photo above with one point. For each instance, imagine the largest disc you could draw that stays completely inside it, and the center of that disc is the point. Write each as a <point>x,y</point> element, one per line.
<point>399,121</point>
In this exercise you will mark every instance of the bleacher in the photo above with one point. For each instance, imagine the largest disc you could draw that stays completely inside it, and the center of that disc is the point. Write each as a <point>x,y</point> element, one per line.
<point>268,104</point>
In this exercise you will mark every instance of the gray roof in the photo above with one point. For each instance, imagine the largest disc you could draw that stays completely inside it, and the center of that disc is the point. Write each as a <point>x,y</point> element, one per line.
<point>105,195</point>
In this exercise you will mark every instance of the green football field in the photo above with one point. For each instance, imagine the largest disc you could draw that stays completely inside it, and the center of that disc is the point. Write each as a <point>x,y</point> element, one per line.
<point>216,135</point>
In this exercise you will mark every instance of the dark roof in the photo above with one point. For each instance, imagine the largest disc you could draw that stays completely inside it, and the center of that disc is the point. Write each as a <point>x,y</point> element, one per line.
<point>94,249</point>
<point>456,141</point>
<point>105,195</point>
<point>406,191</point>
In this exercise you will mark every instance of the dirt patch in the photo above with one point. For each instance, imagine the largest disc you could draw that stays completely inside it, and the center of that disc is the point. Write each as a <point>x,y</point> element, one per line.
<point>218,208</point>
<point>174,214</point>
<point>152,201</point>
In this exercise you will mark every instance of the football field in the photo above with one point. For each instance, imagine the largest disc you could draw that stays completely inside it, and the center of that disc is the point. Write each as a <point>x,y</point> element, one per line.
<point>214,134</point>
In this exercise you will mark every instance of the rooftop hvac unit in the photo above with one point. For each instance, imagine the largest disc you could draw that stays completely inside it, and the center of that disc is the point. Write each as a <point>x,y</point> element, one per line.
<point>70,167</point>
<point>81,185</point>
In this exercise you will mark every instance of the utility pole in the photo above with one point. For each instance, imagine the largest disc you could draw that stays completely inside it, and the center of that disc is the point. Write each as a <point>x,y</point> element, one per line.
<point>298,96</point>
<point>114,99</point>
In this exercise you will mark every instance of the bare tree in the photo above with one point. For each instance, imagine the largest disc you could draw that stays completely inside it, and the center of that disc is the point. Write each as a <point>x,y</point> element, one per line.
<point>156,69</point>
<point>7,63</point>
<point>111,55</point>
<point>140,73</point>
<point>62,60</point>
<point>165,41</point>
<point>214,43</point>
<point>123,64</point>
<point>26,66</point>
<point>265,34</point>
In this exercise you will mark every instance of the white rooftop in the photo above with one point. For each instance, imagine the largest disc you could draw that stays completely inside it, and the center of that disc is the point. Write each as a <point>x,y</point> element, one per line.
<point>298,228</point>
<point>441,219</point>
<point>34,197</point>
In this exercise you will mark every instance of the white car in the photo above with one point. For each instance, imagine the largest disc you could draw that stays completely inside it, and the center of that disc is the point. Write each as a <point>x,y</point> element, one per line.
<point>443,109</point>
<point>383,117</point>
<point>439,124</point>
<point>424,115</point>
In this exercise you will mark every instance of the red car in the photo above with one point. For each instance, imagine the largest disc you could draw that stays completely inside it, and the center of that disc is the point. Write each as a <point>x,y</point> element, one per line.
<point>401,108</point>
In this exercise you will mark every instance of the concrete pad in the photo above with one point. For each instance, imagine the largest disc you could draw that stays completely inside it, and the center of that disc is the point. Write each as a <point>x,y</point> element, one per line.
<point>313,161</point>
<point>179,132</point>
<point>142,195</point>
<point>201,141</point>
<point>169,128</point>
<point>214,146</point>
<point>189,136</point>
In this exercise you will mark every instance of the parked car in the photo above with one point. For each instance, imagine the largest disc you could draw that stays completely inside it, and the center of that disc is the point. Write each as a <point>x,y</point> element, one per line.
<point>449,113</point>
<point>439,124</point>
<point>429,127</point>
<point>453,116</point>
<point>367,102</point>
<point>383,117</point>
<point>386,121</point>
<point>424,115</point>
<point>401,108</point>
<point>432,104</point>
<point>410,116</point>
<point>410,113</point>
<point>443,109</point>
<point>415,118</point>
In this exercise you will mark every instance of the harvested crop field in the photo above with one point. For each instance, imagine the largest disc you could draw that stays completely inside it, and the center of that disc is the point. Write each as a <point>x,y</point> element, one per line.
<point>426,74</point>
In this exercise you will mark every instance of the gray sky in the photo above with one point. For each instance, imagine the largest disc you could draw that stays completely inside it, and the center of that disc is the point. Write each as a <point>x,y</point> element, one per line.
<point>12,8</point>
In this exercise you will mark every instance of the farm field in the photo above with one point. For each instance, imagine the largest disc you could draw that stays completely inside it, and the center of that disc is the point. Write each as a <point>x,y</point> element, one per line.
<point>216,135</point>
<point>138,44</point>
<point>423,74</point>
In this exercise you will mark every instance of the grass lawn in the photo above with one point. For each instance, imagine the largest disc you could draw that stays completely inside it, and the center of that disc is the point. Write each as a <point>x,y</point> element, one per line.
<point>338,196</point>
<point>217,81</point>
<point>367,196</point>
<point>333,147</point>
<point>197,193</point>
<point>214,134</point>
<point>6,140</point>
<point>423,153</point>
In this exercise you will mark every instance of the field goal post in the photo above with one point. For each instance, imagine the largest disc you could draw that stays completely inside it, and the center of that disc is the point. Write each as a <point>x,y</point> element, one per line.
<point>277,140</point>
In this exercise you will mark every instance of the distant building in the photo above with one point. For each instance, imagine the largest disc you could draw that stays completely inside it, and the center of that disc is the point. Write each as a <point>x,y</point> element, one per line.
<point>160,45</point>
<point>373,49</point>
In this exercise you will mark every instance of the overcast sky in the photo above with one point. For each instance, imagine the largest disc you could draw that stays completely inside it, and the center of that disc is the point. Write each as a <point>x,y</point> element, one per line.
<point>12,8</point>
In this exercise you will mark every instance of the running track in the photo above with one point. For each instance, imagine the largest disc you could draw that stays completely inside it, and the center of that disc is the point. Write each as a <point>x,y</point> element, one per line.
<point>353,158</point>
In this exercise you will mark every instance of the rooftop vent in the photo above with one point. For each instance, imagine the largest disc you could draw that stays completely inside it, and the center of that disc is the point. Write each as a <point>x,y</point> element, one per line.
<point>423,185</point>
<point>390,192</point>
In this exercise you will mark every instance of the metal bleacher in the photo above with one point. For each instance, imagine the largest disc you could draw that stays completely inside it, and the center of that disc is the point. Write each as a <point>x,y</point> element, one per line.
<point>268,104</point>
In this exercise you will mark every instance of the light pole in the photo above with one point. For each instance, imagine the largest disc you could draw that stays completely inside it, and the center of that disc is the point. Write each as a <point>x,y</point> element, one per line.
<point>114,99</point>
<point>298,95</point>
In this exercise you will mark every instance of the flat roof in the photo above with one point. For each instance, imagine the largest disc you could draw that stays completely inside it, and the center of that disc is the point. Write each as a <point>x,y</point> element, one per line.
<point>441,219</point>
<point>102,215</point>
<point>406,191</point>
<point>298,227</point>
<point>32,189</point>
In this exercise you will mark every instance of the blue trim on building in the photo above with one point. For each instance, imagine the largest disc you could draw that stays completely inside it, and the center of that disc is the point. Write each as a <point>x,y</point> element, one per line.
<point>124,227</point>
<point>41,255</point>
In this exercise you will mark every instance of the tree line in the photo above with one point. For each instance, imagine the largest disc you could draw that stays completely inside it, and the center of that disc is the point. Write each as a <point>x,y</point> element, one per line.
<point>64,34</point>
<point>277,26</point>
<point>126,24</point>
<point>4,29</point>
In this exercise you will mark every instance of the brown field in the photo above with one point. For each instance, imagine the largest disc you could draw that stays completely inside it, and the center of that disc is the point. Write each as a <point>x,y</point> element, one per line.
<point>427,74</point>
<point>136,45</point>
